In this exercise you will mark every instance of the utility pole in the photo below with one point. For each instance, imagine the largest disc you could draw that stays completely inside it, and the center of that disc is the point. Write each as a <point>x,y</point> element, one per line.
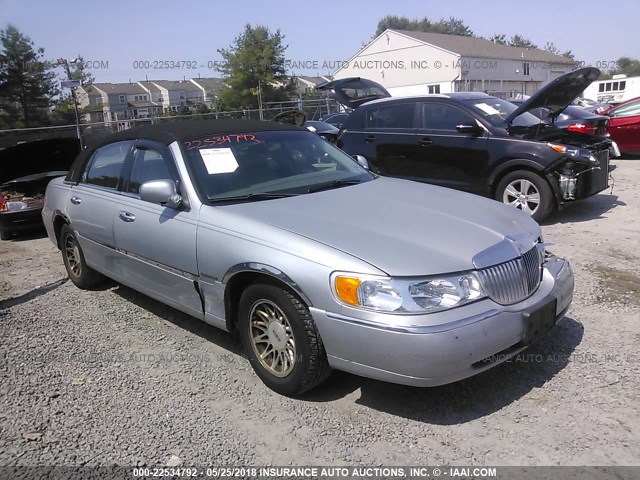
<point>260,100</point>
<point>65,63</point>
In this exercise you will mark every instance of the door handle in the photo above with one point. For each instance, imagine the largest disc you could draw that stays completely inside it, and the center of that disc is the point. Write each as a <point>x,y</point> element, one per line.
<point>425,142</point>
<point>370,138</point>
<point>75,200</point>
<point>126,216</point>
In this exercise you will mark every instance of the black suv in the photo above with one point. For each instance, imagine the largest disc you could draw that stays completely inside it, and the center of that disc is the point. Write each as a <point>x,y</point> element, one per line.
<point>477,143</point>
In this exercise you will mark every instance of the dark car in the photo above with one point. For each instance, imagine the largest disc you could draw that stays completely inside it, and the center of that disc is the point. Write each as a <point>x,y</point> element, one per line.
<point>477,143</point>
<point>335,119</point>
<point>573,119</point>
<point>27,169</point>
<point>325,130</point>
<point>624,125</point>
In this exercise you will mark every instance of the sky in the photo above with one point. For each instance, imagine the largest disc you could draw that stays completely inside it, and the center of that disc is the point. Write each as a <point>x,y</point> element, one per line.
<point>123,40</point>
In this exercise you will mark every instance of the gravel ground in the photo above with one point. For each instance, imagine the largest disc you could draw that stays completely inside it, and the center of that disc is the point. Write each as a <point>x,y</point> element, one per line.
<point>111,376</point>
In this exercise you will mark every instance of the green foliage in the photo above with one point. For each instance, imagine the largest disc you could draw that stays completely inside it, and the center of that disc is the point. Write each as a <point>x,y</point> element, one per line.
<point>27,81</point>
<point>520,41</point>
<point>499,38</point>
<point>451,26</point>
<point>256,56</point>
<point>551,47</point>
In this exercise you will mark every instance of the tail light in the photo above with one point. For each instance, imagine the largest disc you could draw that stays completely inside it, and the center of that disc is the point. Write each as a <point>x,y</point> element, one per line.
<point>3,203</point>
<point>582,128</point>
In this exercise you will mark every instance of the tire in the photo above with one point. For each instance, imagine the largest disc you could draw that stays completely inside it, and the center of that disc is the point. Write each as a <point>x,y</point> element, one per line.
<point>301,362</point>
<point>524,182</point>
<point>79,272</point>
<point>6,235</point>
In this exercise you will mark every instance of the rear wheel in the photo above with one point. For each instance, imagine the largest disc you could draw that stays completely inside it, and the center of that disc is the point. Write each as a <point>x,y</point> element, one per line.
<point>79,272</point>
<point>281,340</point>
<point>5,235</point>
<point>528,192</point>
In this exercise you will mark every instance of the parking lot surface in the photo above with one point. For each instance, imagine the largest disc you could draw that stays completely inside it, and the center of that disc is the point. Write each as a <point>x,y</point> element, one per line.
<point>111,376</point>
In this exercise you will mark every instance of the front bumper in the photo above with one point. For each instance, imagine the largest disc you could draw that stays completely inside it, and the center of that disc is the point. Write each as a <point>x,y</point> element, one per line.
<point>425,353</point>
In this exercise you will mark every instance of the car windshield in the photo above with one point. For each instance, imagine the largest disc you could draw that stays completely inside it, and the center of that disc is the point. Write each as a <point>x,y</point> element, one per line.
<point>262,165</point>
<point>495,111</point>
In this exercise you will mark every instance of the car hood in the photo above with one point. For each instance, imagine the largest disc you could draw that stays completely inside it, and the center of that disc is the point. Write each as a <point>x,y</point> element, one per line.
<point>401,227</point>
<point>559,93</point>
<point>36,157</point>
<point>354,91</point>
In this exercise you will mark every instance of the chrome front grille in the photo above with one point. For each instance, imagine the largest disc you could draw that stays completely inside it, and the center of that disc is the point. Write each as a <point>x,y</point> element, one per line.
<point>513,281</point>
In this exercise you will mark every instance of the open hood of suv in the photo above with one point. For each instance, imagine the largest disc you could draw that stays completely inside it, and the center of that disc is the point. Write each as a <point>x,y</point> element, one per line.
<point>559,93</point>
<point>354,91</point>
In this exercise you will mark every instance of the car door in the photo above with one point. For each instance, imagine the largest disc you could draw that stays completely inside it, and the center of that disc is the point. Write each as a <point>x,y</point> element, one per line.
<point>450,154</point>
<point>388,138</point>
<point>91,204</point>
<point>624,126</point>
<point>157,244</point>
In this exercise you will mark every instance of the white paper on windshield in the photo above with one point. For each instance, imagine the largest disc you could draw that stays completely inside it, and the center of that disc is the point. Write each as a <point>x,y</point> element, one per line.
<point>488,109</point>
<point>219,160</point>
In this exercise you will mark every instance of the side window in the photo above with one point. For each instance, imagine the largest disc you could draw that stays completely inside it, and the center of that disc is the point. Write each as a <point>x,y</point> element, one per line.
<point>440,116</point>
<point>105,166</point>
<point>392,116</point>
<point>148,164</point>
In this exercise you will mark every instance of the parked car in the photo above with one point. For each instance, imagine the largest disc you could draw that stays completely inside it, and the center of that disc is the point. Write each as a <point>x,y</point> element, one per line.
<point>325,130</point>
<point>624,125</point>
<point>335,119</point>
<point>577,120</point>
<point>477,143</point>
<point>267,230</point>
<point>27,169</point>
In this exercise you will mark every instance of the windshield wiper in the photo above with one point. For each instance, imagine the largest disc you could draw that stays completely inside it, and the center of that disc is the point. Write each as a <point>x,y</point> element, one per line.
<point>334,184</point>
<point>251,197</point>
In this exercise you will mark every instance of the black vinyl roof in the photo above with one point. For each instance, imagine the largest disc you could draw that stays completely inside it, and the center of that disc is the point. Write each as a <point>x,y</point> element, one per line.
<point>170,132</point>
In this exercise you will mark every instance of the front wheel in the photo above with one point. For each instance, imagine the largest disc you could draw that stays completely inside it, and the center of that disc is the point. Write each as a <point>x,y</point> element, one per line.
<point>79,272</point>
<point>528,192</point>
<point>281,340</point>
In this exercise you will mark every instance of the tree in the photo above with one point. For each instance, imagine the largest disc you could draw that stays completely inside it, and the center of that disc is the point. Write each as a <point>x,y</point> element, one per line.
<point>520,41</point>
<point>551,47</point>
<point>451,26</point>
<point>27,81</point>
<point>255,58</point>
<point>499,38</point>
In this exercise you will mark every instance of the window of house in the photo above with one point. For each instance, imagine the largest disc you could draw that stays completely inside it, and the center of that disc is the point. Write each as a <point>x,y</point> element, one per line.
<point>525,68</point>
<point>122,98</point>
<point>181,94</point>
<point>105,166</point>
<point>392,116</point>
<point>434,89</point>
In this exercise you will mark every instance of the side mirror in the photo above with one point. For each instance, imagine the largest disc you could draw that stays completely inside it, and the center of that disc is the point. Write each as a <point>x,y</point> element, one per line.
<point>469,128</point>
<point>160,191</point>
<point>362,161</point>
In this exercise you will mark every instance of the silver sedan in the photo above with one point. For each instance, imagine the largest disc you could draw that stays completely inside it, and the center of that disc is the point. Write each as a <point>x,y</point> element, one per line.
<point>267,230</point>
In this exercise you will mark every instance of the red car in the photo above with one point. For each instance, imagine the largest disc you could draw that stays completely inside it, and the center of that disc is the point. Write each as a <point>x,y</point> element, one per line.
<point>624,125</point>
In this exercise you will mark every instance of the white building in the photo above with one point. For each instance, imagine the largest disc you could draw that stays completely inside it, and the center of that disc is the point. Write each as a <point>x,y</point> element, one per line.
<point>417,63</point>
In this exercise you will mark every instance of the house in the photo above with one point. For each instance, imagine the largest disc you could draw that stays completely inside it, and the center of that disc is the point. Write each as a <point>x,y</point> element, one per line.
<point>174,95</point>
<point>115,101</point>
<point>209,88</point>
<point>417,63</point>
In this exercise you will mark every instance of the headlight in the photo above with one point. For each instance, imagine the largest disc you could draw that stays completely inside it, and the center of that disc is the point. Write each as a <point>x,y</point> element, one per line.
<point>406,295</point>
<point>573,151</point>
